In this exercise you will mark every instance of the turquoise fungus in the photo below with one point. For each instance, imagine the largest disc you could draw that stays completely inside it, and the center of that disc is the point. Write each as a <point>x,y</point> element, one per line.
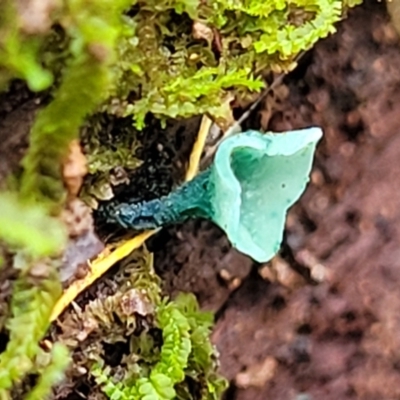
<point>253,181</point>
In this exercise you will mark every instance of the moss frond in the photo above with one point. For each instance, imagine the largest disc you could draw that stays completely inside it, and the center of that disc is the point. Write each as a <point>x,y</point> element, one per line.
<point>52,374</point>
<point>34,295</point>
<point>172,71</point>
<point>19,51</point>
<point>186,351</point>
<point>29,227</point>
<point>94,28</point>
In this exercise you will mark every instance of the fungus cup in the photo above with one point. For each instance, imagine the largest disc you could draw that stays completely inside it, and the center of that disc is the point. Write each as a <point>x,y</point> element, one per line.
<point>254,179</point>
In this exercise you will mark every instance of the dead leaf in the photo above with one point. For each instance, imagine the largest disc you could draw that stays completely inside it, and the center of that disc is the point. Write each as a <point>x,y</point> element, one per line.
<point>83,243</point>
<point>74,168</point>
<point>136,302</point>
<point>202,31</point>
<point>35,15</point>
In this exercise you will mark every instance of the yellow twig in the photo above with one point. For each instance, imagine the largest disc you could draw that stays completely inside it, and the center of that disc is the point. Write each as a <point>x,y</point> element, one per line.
<point>104,262</point>
<point>198,147</point>
<point>98,268</point>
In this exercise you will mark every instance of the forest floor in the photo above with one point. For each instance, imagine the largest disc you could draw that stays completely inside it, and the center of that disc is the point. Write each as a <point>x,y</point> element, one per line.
<point>321,320</point>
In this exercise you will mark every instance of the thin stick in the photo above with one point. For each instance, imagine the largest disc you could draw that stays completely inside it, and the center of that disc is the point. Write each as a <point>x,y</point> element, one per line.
<point>236,126</point>
<point>97,269</point>
<point>198,147</point>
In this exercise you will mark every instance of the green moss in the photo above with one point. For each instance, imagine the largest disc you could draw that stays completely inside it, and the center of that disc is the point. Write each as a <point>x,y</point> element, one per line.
<point>29,227</point>
<point>57,125</point>
<point>111,147</point>
<point>51,374</point>
<point>137,316</point>
<point>186,355</point>
<point>184,57</point>
<point>19,52</point>
<point>34,295</point>
<point>94,28</point>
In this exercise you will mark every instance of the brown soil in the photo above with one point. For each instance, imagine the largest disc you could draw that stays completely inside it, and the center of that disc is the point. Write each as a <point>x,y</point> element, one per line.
<point>322,321</point>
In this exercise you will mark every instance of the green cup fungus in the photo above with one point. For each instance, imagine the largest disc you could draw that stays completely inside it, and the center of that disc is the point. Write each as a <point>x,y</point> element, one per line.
<point>254,179</point>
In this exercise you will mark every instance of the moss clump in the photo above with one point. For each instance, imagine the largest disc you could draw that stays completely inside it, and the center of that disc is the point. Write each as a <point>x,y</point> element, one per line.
<point>28,227</point>
<point>19,50</point>
<point>93,28</point>
<point>51,374</point>
<point>183,57</point>
<point>111,148</point>
<point>34,295</point>
<point>160,370</point>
